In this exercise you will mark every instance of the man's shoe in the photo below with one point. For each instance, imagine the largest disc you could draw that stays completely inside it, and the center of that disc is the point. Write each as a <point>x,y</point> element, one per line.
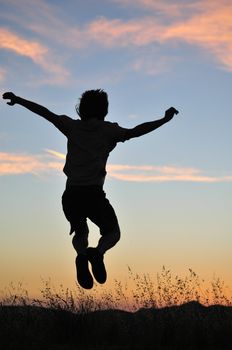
<point>84,276</point>
<point>97,263</point>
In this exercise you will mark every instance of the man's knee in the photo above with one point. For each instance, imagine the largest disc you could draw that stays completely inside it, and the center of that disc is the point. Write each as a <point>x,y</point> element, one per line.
<point>108,240</point>
<point>112,233</point>
<point>80,238</point>
<point>80,242</point>
<point>117,234</point>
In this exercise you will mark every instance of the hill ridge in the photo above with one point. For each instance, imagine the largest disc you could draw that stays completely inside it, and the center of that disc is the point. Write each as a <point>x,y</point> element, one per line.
<point>188,326</point>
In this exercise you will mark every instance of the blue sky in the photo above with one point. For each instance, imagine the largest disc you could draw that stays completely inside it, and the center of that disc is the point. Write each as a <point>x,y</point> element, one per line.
<point>172,188</point>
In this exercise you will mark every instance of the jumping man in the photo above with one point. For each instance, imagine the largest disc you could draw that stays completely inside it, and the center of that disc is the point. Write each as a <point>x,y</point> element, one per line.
<point>90,139</point>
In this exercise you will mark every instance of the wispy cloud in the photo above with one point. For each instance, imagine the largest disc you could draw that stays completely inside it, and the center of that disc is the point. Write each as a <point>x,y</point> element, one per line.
<point>52,162</point>
<point>31,49</point>
<point>208,27</point>
<point>205,24</point>
<point>161,174</point>
<point>120,33</point>
<point>45,20</point>
<point>55,154</point>
<point>37,52</point>
<point>151,64</point>
<point>16,164</point>
<point>159,6</point>
<point>2,74</point>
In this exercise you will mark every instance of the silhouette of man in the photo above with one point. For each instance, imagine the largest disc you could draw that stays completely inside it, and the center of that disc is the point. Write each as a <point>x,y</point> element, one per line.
<point>90,139</point>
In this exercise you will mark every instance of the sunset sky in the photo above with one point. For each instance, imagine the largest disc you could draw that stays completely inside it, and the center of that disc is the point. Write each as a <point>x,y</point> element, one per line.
<point>171,189</point>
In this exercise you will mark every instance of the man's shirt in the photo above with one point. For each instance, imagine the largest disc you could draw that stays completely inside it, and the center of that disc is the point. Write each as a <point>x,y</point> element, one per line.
<point>89,145</point>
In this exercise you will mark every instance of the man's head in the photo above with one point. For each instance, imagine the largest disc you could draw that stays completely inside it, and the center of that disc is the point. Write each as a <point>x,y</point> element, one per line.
<point>93,104</point>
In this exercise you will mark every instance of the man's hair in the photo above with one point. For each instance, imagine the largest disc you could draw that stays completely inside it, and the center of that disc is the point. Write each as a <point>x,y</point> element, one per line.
<point>93,104</point>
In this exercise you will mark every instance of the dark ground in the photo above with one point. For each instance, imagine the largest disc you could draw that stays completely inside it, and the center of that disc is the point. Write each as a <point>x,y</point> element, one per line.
<point>189,327</point>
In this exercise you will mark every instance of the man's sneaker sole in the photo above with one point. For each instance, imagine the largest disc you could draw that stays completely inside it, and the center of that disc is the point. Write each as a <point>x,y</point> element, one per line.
<point>97,264</point>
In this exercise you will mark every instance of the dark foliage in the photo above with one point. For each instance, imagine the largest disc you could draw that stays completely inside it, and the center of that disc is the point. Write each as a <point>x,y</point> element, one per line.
<point>189,326</point>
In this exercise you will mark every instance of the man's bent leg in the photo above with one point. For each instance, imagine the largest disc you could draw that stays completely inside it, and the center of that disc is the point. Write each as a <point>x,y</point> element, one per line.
<point>80,238</point>
<point>72,202</point>
<point>108,240</point>
<point>96,255</point>
<point>102,214</point>
<point>80,244</point>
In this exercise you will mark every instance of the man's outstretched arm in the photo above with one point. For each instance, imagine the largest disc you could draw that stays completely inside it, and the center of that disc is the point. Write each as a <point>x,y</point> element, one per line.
<point>145,128</point>
<point>32,106</point>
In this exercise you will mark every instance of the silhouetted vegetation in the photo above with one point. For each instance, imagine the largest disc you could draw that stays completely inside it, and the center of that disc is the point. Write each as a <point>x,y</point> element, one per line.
<point>169,313</point>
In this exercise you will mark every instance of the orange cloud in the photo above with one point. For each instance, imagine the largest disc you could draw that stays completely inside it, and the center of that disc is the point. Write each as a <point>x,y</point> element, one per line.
<point>110,33</point>
<point>16,164</point>
<point>205,24</point>
<point>161,174</point>
<point>37,52</point>
<point>56,154</point>
<point>13,42</point>
<point>210,29</point>
<point>53,161</point>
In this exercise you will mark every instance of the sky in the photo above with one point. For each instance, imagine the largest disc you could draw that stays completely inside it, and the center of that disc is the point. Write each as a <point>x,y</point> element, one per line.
<point>171,189</point>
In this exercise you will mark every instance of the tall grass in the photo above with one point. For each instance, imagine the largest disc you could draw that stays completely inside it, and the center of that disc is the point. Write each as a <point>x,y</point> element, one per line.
<point>139,291</point>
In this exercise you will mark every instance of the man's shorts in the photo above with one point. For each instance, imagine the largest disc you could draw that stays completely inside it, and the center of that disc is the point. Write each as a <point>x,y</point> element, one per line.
<point>88,202</point>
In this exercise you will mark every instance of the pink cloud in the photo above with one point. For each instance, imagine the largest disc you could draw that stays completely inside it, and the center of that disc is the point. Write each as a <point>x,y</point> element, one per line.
<point>119,33</point>
<point>161,174</point>
<point>52,162</point>
<point>16,164</point>
<point>21,46</point>
<point>37,52</point>
<point>206,24</point>
<point>211,29</point>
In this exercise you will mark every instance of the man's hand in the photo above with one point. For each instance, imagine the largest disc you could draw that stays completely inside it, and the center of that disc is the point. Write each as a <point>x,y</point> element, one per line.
<point>10,96</point>
<point>169,114</point>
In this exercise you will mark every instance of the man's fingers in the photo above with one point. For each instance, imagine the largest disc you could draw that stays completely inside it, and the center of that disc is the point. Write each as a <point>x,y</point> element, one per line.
<point>8,95</point>
<point>173,110</point>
